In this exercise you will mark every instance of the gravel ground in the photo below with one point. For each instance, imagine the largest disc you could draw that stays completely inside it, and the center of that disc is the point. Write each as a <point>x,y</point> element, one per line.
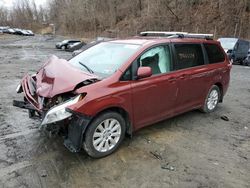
<point>191,150</point>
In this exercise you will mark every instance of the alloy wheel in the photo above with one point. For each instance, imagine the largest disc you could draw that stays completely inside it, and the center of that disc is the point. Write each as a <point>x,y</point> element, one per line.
<point>107,134</point>
<point>212,100</point>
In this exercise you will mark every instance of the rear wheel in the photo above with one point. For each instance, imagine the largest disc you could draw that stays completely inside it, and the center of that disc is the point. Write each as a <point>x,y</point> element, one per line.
<point>104,134</point>
<point>212,99</point>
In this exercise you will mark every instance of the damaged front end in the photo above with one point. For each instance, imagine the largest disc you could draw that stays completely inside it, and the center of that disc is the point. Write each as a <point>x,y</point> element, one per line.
<point>47,96</point>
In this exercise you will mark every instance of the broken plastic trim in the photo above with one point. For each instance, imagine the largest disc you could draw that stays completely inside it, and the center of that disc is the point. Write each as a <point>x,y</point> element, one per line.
<point>76,129</point>
<point>58,113</point>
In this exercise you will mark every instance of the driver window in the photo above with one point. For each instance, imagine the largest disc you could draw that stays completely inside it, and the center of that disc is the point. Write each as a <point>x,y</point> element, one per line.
<point>158,58</point>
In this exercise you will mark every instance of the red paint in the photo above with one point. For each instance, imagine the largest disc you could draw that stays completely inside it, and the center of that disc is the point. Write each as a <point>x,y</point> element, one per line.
<point>58,76</point>
<point>144,72</point>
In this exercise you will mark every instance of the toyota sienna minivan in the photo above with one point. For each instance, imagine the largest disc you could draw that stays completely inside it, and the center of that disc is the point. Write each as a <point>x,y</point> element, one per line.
<point>117,87</point>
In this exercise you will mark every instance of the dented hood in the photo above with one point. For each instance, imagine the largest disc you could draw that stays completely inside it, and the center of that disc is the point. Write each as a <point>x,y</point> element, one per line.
<point>57,76</point>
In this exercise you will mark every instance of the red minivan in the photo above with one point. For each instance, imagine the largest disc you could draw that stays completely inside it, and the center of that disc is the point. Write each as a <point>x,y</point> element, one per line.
<point>117,87</point>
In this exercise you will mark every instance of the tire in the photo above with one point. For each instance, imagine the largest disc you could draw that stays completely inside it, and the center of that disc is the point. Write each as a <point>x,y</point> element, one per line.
<point>212,99</point>
<point>99,141</point>
<point>63,47</point>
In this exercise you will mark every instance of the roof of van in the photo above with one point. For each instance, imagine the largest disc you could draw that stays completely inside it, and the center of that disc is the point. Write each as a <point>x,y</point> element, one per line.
<point>142,41</point>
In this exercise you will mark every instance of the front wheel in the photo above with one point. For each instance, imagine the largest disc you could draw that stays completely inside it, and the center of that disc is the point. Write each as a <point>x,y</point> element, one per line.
<point>104,134</point>
<point>212,99</point>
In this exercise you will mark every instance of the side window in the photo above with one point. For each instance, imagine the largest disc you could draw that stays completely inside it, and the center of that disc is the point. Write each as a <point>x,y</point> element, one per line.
<point>127,75</point>
<point>188,55</point>
<point>214,53</point>
<point>158,58</point>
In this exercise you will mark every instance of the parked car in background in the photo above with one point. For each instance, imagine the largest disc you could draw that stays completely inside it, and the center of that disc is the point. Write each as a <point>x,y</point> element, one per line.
<point>30,32</point>
<point>3,29</point>
<point>92,43</point>
<point>75,46</point>
<point>236,49</point>
<point>65,43</point>
<point>9,31</point>
<point>246,61</point>
<point>120,86</point>
<point>16,31</point>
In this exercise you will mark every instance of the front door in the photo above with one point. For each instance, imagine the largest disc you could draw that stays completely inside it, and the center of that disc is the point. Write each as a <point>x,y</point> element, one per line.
<point>154,98</point>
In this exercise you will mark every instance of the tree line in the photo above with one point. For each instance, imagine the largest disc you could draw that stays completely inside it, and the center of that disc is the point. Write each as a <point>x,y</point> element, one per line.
<point>128,17</point>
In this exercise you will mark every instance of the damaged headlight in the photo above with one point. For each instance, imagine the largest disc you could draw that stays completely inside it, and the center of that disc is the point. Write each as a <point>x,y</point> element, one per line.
<point>59,112</point>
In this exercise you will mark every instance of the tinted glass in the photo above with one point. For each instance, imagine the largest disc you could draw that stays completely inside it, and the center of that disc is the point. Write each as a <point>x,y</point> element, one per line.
<point>127,75</point>
<point>188,55</point>
<point>158,58</point>
<point>214,53</point>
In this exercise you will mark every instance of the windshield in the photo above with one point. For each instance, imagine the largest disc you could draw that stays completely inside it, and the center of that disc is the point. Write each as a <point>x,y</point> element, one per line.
<point>104,58</point>
<point>228,43</point>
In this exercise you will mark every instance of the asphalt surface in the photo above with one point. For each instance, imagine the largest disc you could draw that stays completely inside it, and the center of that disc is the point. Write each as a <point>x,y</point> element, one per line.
<point>191,150</point>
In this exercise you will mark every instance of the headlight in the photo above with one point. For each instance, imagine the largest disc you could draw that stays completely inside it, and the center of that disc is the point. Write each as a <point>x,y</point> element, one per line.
<point>59,113</point>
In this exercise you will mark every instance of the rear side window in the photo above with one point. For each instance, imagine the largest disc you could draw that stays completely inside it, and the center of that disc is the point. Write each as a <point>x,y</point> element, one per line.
<point>214,53</point>
<point>188,55</point>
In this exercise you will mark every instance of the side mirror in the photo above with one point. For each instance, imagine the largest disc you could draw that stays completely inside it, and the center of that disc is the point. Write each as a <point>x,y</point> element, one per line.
<point>144,72</point>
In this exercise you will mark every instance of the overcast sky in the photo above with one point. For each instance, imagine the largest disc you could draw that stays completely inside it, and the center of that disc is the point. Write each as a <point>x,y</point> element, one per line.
<point>9,3</point>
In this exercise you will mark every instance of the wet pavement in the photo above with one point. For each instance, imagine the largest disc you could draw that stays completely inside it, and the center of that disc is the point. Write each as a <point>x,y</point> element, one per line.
<point>191,150</point>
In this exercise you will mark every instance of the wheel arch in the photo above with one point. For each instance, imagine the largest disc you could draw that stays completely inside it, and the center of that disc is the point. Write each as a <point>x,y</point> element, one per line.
<point>220,86</point>
<point>122,112</point>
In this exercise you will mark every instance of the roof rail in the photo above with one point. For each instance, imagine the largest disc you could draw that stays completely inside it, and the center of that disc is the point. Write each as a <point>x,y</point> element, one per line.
<point>160,33</point>
<point>176,34</point>
<point>193,35</point>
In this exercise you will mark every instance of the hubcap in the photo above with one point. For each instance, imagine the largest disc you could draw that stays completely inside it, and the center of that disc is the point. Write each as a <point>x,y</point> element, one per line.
<point>212,99</point>
<point>106,135</point>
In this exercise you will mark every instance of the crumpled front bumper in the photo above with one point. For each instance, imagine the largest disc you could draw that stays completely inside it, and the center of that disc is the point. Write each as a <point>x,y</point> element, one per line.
<point>32,102</point>
<point>77,125</point>
<point>31,109</point>
<point>29,89</point>
<point>73,126</point>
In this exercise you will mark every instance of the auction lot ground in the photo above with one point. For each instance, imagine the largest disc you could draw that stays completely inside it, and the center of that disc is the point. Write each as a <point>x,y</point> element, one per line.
<point>191,150</point>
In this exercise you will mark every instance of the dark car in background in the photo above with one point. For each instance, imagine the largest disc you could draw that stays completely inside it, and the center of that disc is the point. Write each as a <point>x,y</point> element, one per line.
<point>65,43</point>
<point>246,61</point>
<point>16,31</point>
<point>236,49</point>
<point>9,31</point>
<point>75,46</point>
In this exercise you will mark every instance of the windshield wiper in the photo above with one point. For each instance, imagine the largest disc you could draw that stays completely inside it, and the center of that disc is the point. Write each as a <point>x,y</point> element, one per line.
<point>86,67</point>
